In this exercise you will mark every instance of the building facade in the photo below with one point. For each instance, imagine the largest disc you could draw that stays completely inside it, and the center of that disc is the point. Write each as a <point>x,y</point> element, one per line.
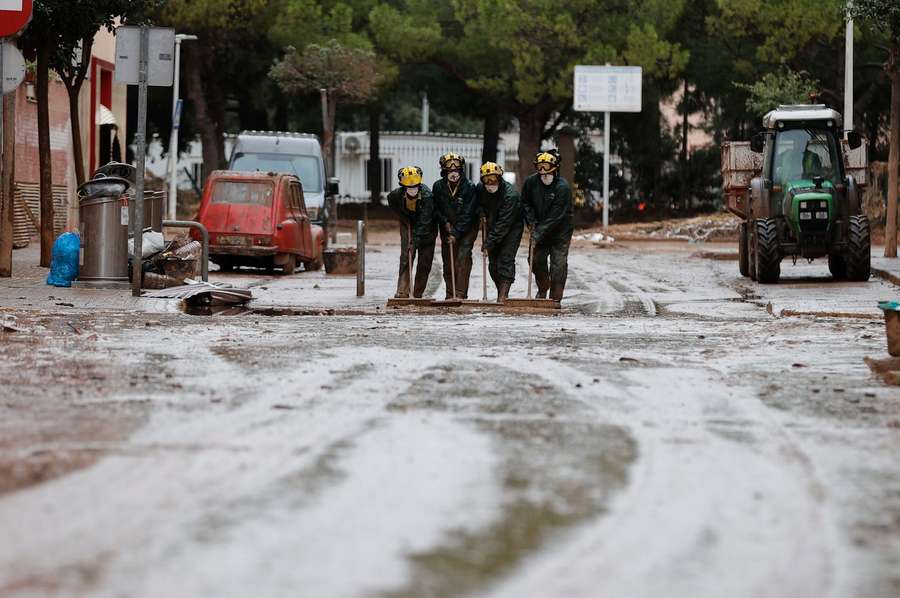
<point>102,114</point>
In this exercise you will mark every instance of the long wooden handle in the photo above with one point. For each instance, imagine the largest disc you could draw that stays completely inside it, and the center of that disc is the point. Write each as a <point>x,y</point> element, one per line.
<point>530,272</point>
<point>409,253</point>
<point>452,267</point>
<point>483,260</point>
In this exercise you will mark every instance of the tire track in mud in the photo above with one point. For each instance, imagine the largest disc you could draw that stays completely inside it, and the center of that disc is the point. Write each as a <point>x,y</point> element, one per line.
<point>556,470</point>
<point>703,509</point>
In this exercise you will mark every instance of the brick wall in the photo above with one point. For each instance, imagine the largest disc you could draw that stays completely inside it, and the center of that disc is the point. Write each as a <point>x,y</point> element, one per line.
<point>27,166</point>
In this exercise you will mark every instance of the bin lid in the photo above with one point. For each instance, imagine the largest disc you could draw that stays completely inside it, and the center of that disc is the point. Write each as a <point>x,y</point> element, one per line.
<point>107,186</point>
<point>117,169</point>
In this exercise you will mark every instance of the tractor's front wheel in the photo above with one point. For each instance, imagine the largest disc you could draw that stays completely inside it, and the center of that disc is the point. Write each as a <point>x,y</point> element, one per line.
<point>859,250</point>
<point>767,257</point>
<point>743,253</point>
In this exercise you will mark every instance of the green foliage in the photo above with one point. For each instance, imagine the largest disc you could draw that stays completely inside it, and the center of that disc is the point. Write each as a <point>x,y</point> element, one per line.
<point>780,87</point>
<point>212,15</point>
<point>349,74</point>
<point>882,14</point>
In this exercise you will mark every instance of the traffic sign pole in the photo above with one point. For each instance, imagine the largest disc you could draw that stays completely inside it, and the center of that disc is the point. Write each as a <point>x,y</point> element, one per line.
<point>607,89</point>
<point>606,136</point>
<point>140,140</point>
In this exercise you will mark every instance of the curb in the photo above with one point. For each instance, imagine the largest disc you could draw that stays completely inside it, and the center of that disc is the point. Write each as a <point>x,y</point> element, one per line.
<point>887,276</point>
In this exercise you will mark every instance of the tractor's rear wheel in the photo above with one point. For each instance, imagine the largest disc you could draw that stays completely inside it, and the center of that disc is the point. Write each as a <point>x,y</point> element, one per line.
<point>859,250</point>
<point>743,253</point>
<point>837,265</point>
<point>767,257</point>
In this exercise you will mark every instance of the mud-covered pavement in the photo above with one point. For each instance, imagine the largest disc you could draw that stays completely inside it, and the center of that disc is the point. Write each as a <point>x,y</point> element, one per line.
<point>670,433</point>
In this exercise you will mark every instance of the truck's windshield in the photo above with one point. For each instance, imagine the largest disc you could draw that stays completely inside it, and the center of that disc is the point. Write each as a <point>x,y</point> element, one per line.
<point>306,168</point>
<point>804,154</point>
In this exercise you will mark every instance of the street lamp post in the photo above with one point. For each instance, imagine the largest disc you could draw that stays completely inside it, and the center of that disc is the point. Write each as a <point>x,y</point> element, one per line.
<point>176,122</point>
<point>848,72</point>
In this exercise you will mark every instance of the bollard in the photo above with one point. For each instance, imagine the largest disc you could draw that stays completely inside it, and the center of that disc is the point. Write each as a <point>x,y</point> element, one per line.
<point>360,258</point>
<point>334,219</point>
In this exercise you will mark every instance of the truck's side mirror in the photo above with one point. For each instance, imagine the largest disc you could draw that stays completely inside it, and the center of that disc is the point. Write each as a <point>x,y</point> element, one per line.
<point>758,143</point>
<point>854,140</point>
<point>333,187</point>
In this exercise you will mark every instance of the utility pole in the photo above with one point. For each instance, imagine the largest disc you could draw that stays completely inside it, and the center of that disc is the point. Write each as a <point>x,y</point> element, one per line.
<point>140,141</point>
<point>176,125</point>
<point>848,73</point>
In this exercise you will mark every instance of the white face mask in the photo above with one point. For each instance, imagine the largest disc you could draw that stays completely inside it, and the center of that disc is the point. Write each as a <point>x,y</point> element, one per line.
<point>453,177</point>
<point>412,191</point>
<point>547,179</point>
<point>491,188</point>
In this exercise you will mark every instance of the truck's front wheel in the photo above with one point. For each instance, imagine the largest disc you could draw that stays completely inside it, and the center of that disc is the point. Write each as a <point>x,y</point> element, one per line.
<point>767,257</point>
<point>743,253</point>
<point>859,250</point>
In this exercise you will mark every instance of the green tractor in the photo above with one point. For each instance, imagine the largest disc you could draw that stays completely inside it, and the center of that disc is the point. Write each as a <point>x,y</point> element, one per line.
<point>801,201</point>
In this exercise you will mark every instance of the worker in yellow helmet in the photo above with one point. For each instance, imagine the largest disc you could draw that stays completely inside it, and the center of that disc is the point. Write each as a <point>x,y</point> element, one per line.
<point>547,200</point>
<point>500,208</point>
<point>414,207</point>
<point>453,196</point>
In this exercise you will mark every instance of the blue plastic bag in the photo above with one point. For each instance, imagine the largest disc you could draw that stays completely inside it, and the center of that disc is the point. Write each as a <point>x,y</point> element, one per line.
<point>64,260</point>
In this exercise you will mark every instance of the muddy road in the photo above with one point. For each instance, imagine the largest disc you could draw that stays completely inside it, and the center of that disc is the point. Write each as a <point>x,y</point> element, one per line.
<point>670,433</point>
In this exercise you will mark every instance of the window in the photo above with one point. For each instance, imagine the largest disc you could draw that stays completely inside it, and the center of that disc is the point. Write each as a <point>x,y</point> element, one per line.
<point>242,192</point>
<point>387,175</point>
<point>803,154</point>
<point>306,168</point>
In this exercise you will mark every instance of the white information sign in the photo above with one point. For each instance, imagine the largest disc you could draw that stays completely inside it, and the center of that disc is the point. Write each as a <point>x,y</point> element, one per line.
<point>608,88</point>
<point>13,68</point>
<point>161,59</point>
<point>15,5</point>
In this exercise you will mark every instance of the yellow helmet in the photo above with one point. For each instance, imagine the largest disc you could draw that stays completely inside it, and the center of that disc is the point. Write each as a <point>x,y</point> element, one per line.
<point>410,176</point>
<point>546,162</point>
<point>451,161</point>
<point>489,169</point>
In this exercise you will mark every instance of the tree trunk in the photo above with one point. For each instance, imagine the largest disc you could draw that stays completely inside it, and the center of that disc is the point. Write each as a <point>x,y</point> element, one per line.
<point>213,152</point>
<point>8,187</point>
<point>44,157</point>
<point>531,126</point>
<point>73,89</point>
<point>375,170</point>
<point>329,113</point>
<point>890,233</point>
<point>491,137</point>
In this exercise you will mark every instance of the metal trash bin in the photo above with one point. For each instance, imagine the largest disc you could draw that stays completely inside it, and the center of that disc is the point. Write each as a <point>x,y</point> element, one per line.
<point>104,229</point>
<point>154,209</point>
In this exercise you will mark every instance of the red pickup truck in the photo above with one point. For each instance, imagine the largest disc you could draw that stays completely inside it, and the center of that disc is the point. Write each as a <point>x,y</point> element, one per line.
<point>259,219</point>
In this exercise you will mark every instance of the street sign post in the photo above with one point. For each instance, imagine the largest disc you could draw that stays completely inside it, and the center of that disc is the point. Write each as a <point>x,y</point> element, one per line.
<point>144,57</point>
<point>14,16</point>
<point>607,89</point>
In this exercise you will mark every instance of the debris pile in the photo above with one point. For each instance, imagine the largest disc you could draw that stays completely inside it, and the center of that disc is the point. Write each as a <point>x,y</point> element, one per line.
<point>169,264</point>
<point>715,227</point>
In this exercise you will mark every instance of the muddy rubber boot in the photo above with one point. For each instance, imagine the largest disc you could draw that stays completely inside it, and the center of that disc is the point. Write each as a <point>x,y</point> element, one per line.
<point>556,291</point>
<point>503,291</point>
